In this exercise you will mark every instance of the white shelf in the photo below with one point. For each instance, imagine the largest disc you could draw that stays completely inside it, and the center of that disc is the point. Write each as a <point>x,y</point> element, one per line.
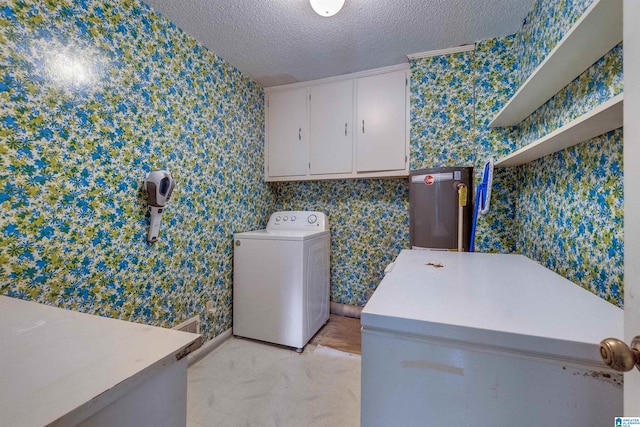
<point>604,118</point>
<point>597,31</point>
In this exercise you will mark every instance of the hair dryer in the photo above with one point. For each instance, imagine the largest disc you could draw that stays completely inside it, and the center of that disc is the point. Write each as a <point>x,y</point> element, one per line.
<point>159,185</point>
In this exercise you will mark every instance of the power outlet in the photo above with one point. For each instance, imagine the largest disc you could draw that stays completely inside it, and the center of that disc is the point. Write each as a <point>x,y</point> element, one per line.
<point>209,306</point>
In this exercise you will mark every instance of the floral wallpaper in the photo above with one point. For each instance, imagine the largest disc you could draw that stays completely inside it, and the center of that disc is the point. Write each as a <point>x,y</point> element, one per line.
<point>96,94</point>
<point>570,204</point>
<point>544,26</point>
<point>442,111</point>
<point>99,92</point>
<point>570,214</point>
<point>494,84</point>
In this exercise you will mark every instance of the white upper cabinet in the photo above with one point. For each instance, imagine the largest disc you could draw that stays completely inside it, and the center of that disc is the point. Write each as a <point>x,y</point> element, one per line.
<point>331,114</point>
<point>287,133</point>
<point>358,127</point>
<point>381,122</point>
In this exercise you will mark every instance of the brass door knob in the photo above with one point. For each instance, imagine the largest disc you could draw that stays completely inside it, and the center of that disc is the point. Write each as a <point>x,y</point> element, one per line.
<point>619,356</point>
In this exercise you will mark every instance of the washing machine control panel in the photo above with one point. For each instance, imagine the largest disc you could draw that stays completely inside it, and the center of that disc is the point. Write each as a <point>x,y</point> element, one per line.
<point>298,220</point>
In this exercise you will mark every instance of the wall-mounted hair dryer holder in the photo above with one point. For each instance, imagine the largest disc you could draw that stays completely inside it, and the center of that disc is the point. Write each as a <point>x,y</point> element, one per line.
<point>159,185</point>
<point>154,225</point>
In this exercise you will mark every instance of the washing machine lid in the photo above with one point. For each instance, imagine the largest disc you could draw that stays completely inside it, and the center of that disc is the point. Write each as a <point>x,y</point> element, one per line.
<point>299,235</point>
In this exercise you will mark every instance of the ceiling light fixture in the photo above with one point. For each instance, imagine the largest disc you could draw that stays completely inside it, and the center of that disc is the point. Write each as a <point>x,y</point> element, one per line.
<point>326,7</point>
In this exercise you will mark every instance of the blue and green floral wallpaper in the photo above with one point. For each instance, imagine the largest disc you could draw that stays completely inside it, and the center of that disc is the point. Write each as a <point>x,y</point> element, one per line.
<point>544,26</point>
<point>98,92</point>
<point>495,83</point>
<point>442,111</point>
<point>570,204</point>
<point>570,214</point>
<point>95,94</point>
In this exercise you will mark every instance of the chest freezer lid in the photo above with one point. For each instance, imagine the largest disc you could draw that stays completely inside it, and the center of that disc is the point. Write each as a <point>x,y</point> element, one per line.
<point>508,302</point>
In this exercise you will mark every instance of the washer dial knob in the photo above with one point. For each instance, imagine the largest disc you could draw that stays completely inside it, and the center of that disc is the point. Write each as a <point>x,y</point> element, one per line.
<point>312,219</point>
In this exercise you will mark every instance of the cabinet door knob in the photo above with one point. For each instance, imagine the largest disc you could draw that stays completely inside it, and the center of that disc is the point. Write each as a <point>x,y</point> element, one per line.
<point>345,129</point>
<point>362,126</point>
<point>299,134</point>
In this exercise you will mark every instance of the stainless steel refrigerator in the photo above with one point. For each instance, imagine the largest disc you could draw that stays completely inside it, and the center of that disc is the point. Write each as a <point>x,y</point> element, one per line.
<point>440,211</point>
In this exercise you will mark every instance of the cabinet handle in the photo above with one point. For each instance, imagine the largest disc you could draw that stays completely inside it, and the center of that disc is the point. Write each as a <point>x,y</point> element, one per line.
<point>362,126</point>
<point>345,129</point>
<point>299,134</point>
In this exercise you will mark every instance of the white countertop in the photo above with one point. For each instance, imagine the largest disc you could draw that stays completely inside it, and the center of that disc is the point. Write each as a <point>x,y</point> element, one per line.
<point>499,301</point>
<point>61,365</point>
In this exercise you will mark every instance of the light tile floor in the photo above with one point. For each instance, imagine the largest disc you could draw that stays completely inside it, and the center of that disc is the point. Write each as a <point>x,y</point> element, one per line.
<point>246,383</point>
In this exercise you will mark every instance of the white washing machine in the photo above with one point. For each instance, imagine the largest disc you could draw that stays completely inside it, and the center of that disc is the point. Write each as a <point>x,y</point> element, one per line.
<point>281,279</point>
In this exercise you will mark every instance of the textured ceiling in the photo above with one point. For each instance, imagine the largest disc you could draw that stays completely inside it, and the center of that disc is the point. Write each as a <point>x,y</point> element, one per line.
<point>278,42</point>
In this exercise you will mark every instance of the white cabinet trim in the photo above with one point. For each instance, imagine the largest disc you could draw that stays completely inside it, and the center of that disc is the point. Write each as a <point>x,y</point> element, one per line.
<point>439,52</point>
<point>351,76</point>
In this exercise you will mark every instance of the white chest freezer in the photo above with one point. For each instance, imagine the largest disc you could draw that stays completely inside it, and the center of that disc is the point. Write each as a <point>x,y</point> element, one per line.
<point>485,340</point>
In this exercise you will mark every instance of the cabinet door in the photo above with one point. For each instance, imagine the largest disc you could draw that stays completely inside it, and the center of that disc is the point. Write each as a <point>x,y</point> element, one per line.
<point>287,133</point>
<point>331,143</point>
<point>381,123</point>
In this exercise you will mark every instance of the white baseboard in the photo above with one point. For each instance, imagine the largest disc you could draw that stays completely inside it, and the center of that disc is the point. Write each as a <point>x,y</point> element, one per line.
<point>208,347</point>
<point>345,310</point>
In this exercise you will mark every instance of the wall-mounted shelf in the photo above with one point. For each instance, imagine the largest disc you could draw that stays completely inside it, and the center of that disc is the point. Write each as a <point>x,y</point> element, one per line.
<point>604,118</point>
<point>597,31</point>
